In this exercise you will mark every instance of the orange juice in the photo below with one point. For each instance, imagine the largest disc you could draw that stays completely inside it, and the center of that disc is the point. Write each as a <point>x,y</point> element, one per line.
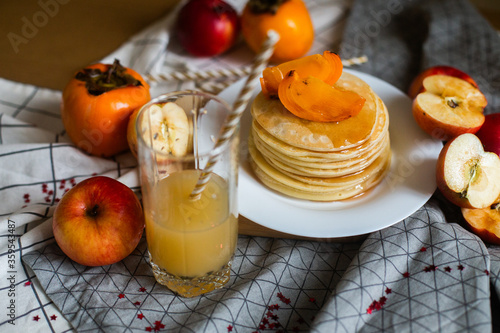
<point>190,238</point>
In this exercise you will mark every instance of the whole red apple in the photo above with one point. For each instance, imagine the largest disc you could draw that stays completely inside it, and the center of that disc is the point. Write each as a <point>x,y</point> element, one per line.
<point>489,133</point>
<point>98,222</point>
<point>207,27</point>
<point>416,86</point>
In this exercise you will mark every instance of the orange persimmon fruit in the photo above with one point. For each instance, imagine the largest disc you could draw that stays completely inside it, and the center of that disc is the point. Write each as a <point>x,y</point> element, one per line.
<point>326,67</point>
<point>289,18</point>
<point>312,99</point>
<point>96,106</point>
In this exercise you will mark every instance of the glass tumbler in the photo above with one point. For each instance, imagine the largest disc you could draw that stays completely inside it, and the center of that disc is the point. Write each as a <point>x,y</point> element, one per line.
<point>191,239</point>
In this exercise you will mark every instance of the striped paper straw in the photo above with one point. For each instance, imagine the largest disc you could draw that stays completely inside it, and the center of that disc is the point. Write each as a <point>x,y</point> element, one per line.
<point>239,107</point>
<point>216,86</point>
<point>354,61</point>
<point>225,72</point>
<point>200,75</point>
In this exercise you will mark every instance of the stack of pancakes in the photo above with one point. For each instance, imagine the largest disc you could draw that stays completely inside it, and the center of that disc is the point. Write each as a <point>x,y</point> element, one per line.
<point>320,161</point>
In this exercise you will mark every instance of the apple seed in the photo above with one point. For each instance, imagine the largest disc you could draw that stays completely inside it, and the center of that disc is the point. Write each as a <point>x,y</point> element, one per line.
<point>451,102</point>
<point>473,174</point>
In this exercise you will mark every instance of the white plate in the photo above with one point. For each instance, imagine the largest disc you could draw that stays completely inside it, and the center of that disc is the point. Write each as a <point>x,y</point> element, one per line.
<point>408,185</point>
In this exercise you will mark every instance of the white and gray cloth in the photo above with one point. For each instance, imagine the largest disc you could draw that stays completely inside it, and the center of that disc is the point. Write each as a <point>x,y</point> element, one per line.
<point>423,274</point>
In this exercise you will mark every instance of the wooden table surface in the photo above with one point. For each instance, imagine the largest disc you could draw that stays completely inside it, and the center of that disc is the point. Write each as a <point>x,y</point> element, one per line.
<point>77,32</point>
<point>45,42</point>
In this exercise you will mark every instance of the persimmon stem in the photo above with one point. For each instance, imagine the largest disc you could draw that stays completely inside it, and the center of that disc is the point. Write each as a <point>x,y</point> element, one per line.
<point>265,6</point>
<point>112,71</point>
<point>98,82</point>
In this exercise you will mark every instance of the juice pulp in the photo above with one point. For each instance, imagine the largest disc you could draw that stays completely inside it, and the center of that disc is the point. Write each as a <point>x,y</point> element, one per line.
<point>190,238</point>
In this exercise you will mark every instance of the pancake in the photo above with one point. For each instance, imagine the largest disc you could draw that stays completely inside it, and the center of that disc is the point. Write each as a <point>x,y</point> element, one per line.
<point>320,161</point>
<point>322,170</point>
<point>296,189</point>
<point>275,119</point>
<point>333,181</point>
<point>316,182</point>
<point>380,128</point>
<point>316,162</point>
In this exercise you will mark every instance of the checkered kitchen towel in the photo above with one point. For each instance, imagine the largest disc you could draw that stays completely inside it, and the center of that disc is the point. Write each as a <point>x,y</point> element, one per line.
<point>422,274</point>
<point>446,283</point>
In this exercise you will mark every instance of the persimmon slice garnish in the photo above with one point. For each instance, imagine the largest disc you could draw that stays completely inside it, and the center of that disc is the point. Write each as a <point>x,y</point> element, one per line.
<point>313,99</point>
<point>326,67</point>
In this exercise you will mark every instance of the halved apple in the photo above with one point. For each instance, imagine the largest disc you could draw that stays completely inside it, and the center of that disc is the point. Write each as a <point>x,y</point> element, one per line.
<point>484,222</point>
<point>167,127</point>
<point>467,175</point>
<point>416,86</point>
<point>449,107</point>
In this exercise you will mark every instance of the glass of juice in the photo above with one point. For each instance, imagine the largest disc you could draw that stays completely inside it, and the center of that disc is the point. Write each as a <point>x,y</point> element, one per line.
<point>191,239</point>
